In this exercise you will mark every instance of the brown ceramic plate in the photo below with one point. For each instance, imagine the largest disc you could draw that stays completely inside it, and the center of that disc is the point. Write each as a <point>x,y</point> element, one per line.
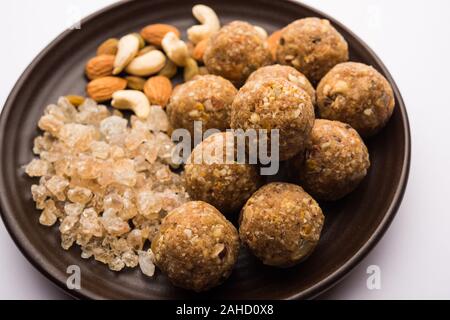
<point>352,226</point>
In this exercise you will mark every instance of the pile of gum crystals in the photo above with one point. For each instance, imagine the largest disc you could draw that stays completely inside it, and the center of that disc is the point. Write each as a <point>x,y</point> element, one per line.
<point>108,183</point>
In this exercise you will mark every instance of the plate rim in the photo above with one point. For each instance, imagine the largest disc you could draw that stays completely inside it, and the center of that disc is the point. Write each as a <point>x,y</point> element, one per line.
<point>318,288</point>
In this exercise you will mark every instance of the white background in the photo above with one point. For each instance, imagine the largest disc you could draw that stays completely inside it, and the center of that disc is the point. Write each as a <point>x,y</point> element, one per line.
<point>412,37</point>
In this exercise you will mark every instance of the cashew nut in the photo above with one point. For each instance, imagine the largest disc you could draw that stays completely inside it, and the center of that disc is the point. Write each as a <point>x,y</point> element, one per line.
<point>209,23</point>
<point>261,32</point>
<point>141,40</point>
<point>176,49</point>
<point>147,64</point>
<point>132,100</point>
<point>145,50</point>
<point>128,47</point>
<point>190,70</point>
<point>169,70</point>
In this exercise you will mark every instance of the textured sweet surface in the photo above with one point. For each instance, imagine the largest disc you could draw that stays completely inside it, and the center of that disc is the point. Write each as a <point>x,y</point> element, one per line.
<point>312,46</point>
<point>236,51</point>
<point>336,160</point>
<point>196,246</point>
<point>281,224</point>
<point>206,98</point>
<point>213,175</point>
<point>275,103</point>
<point>285,72</point>
<point>108,184</point>
<point>356,94</point>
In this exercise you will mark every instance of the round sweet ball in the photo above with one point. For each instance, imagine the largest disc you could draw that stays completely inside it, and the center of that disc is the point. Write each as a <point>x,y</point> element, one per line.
<point>275,103</point>
<point>312,46</point>
<point>205,98</point>
<point>336,160</point>
<point>281,224</point>
<point>235,51</point>
<point>213,175</point>
<point>356,94</point>
<point>285,72</point>
<point>196,246</point>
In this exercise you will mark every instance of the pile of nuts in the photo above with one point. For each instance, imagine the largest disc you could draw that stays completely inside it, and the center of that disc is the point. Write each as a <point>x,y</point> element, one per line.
<point>138,67</point>
<point>113,184</point>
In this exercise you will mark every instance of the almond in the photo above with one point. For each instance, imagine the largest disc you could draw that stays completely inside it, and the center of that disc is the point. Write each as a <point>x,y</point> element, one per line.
<point>154,33</point>
<point>102,89</point>
<point>100,66</point>
<point>135,83</point>
<point>273,41</point>
<point>108,47</point>
<point>158,90</point>
<point>200,50</point>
